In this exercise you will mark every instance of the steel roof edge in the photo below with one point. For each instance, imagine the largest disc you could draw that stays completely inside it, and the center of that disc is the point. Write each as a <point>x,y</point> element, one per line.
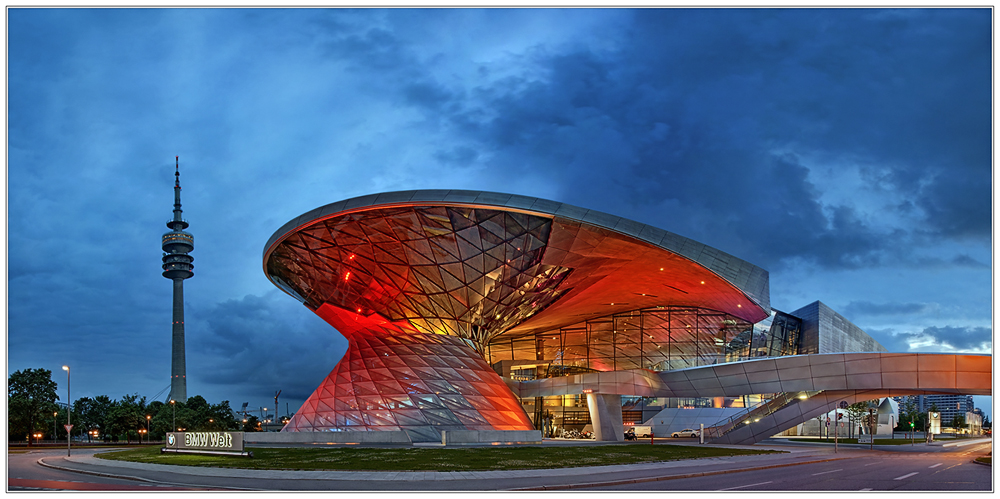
<point>754,282</point>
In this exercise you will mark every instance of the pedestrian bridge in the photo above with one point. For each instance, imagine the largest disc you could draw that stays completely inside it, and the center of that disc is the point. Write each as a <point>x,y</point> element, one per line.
<point>810,385</point>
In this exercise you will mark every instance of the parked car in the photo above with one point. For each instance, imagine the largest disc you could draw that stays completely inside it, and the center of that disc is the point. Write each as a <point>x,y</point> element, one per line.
<point>686,432</point>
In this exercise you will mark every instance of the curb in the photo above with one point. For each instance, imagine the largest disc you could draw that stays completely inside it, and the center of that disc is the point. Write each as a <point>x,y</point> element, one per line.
<point>41,462</point>
<point>668,477</point>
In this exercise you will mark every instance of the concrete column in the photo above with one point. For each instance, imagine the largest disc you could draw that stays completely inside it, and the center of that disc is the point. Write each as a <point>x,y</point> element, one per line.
<point>178,364</point>
<point>606,416</point>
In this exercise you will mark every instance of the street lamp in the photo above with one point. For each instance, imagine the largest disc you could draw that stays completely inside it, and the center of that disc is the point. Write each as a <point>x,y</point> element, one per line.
<point>147,428</point>
<point>174,406</point>
<point>68,410</point>
<point>55,426</point>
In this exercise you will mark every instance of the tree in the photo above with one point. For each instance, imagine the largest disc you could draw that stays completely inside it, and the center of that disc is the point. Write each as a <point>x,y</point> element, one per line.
<point>854,414</point>
<point>92,413</point>
<point>251,423</point>
<point>31,394</point>
<point>958,421</point>
<point>127,416</point>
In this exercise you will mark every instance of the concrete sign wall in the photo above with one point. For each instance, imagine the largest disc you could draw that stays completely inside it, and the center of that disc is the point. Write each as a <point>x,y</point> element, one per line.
<point>206,440</point>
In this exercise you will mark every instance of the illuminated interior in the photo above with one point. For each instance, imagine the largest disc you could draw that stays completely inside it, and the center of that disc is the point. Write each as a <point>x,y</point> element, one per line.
<point>440,299</point>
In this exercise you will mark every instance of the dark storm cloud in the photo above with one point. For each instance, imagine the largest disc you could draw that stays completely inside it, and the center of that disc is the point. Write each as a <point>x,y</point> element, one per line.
<point>959,338</point>
<point>266,341</point>
<point>935,339</point>
<point>732,127</point>
<point>694,107</point>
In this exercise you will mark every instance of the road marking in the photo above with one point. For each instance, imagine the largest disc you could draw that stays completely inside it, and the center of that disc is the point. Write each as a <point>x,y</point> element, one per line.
<point>825,472</point>
<point>862,490</point>
<point>936,465</point>
<point>744,486</point>
<point>873,464</point>
<point>908,475</point>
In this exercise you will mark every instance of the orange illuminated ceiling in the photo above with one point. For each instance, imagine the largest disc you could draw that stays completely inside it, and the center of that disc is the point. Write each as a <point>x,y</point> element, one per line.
<point>468,265</point>
<point>615,273</point>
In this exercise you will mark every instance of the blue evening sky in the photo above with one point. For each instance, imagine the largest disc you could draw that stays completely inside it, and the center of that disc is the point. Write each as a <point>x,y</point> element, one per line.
<point>847,151</point>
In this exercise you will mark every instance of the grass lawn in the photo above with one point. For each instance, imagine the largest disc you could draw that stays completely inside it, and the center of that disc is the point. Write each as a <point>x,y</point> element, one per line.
<point>878,441</point>
<point>985,460</point>
<point>418,459</point>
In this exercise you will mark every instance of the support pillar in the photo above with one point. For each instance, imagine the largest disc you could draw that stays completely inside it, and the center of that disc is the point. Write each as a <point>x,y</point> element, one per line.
<point>606,416</point>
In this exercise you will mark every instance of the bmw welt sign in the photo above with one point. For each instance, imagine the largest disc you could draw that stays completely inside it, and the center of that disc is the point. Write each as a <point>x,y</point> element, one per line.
<point>231,441</point>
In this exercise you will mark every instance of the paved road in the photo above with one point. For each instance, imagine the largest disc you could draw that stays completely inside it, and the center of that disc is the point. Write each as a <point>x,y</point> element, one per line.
<point>921,468</point>
<point>24,473</point>
<point>803,467</point>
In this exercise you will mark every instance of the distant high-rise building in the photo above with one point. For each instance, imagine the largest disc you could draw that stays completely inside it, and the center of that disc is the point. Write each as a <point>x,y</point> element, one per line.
<point>948,405</point>
<point>177,266</point>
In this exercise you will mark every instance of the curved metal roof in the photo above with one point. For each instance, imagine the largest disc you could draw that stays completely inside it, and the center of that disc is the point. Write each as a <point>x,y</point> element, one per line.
<point>749,278</point>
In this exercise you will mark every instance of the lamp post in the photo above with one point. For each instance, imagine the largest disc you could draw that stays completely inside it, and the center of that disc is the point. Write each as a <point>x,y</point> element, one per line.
<point>68,410</point>
<point>174,407</point>
<point>55,426</point>
<point>147,428</point>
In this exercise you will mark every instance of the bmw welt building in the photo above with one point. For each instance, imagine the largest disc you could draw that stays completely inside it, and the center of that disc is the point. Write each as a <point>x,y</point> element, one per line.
<point>471,311</point>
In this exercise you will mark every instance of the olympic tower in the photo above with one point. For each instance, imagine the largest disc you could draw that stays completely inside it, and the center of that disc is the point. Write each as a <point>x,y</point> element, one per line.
<point>177,266</point>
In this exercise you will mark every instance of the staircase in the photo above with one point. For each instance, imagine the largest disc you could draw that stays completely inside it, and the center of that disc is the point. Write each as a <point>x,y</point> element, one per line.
<point>755,413</point>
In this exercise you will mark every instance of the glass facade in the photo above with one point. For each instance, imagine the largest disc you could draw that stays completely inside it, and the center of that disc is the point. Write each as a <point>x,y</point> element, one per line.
<point>423,291</point>
<point>659,339</point>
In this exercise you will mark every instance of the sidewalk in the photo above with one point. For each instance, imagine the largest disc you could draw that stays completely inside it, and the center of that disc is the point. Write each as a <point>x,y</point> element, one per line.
<point>539,479</point>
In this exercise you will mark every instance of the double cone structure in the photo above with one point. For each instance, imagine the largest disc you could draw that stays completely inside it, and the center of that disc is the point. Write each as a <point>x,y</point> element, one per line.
<point>420,282</point>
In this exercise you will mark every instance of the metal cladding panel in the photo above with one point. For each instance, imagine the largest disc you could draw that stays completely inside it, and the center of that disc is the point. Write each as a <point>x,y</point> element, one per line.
<point>394,197</point>
<point>936,379</point>
<point>974,363</point>
<point>864,380</point>
<point>570,211</point>
<point>428,195</point>
<point>873,365</point>
<point>973,380</point>
<point>762,376</point>
<point>747,278</point>
<point>826,331</point>
<point>759,365</point>
<point>545,206</point>
<point>361,201</point>
<point>733,381</point>
<point>899,380</point>
<point>629,227</point>
<point>925,363</point>
<point>329,209</point>
<point>493,198</point>
<point>829,369</point>
<point>461,196</point>
<point>899,362</point>
<point>830,382</point>
<point>794,373</point>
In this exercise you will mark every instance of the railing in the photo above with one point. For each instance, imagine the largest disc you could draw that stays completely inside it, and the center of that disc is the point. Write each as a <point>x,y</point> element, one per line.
<point>753,414</point>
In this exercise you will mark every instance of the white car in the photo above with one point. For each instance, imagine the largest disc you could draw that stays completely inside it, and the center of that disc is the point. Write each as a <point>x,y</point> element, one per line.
<point>686,432</point>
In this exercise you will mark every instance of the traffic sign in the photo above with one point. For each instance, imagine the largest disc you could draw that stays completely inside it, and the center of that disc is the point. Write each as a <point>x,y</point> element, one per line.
<point>68,427</point>
<point>843,404</point>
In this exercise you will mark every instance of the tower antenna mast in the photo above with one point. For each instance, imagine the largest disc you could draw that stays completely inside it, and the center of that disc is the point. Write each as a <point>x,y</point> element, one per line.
<point>177,266</point>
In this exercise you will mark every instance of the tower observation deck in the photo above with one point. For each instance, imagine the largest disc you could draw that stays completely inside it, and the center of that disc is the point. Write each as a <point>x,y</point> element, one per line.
<point>177,266</point>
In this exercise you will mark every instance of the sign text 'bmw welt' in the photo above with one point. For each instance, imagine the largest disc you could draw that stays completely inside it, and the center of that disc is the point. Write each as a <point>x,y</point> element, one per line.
<point>206,440</point>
